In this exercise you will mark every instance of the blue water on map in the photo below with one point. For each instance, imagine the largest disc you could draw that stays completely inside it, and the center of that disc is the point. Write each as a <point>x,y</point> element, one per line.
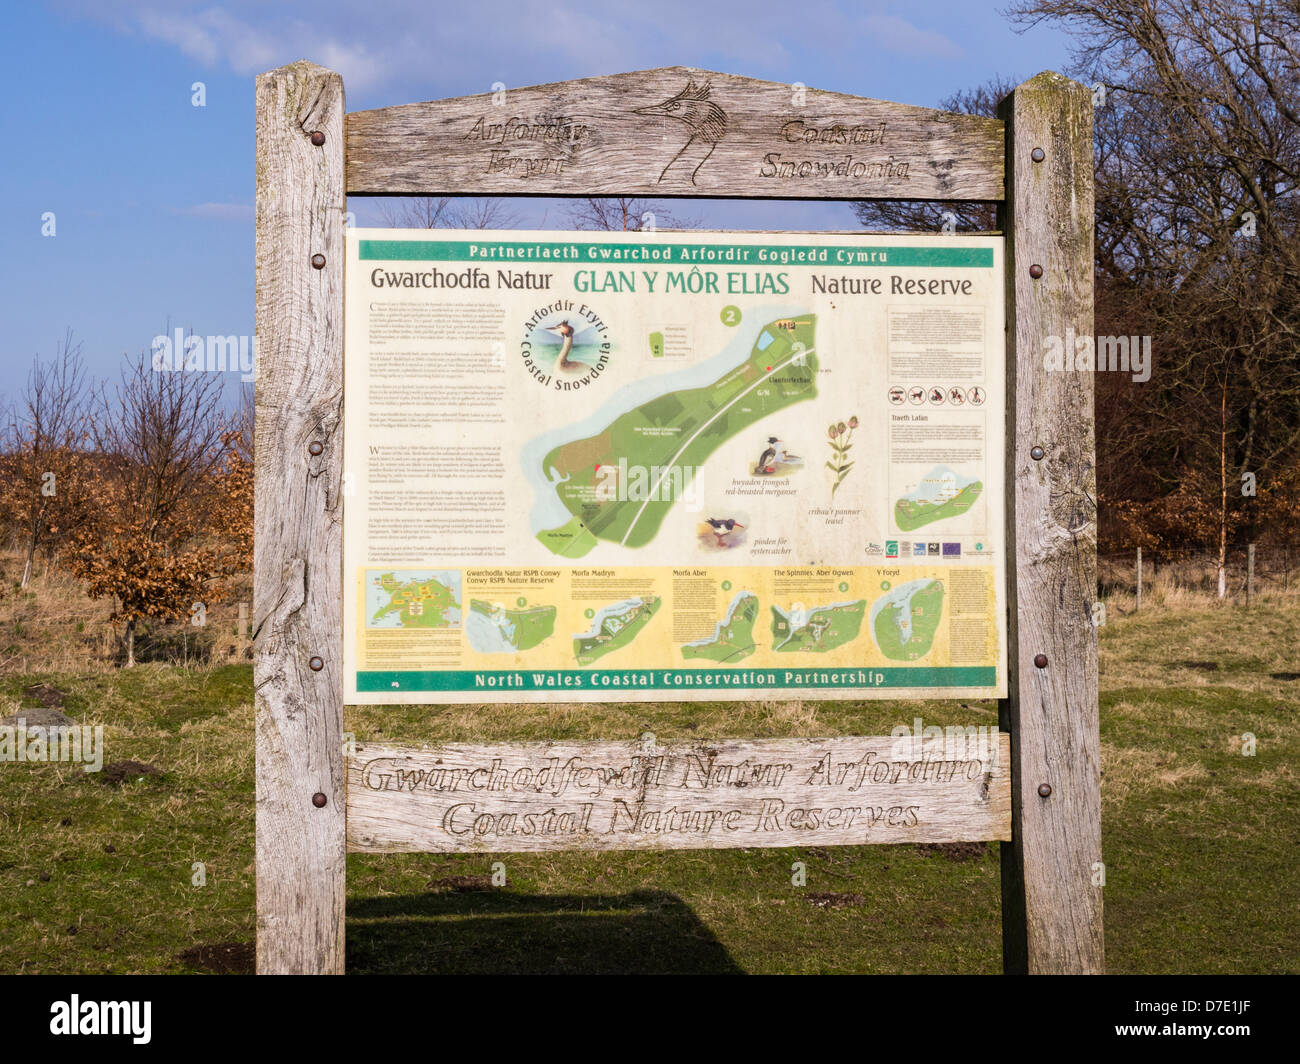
<point>900,600</point>
<point>718,628</point>
<point>493,634</point>
<point>614,613</point>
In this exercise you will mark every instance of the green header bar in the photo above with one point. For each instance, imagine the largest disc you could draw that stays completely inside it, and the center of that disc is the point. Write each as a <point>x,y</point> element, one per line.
<point>712,680</point>
<point>632,253</point>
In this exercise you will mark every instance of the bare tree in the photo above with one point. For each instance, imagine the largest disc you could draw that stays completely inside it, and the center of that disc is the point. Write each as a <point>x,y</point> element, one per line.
<point>244,421</point>
<point>44,447</point>
<point>450,212</point>
<point>152,541</point>
<point>933,215</point>
<point>625,214</point>
<point>1198,165</point>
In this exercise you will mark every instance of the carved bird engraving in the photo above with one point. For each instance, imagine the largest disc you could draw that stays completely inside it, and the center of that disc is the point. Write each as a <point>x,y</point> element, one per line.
<point>692,107</point>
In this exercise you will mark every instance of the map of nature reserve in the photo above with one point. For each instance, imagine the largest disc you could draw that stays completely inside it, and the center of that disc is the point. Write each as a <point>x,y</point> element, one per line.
<point>413,599</point>
<point>663,466</point>
<point>493,629</point>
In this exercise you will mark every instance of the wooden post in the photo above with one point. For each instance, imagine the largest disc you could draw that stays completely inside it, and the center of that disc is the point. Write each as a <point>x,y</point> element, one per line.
<point>1051,872</point>
<point>1250,572</point>
<point>297,563</point>
<point>1139,581</point>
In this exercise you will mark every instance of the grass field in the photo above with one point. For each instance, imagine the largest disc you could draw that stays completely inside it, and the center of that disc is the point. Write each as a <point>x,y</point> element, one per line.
<point>1201,843</point>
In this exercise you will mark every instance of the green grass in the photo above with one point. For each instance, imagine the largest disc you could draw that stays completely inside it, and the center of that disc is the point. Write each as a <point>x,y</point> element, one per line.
<point>98,877</point>
<point>1201,844</point>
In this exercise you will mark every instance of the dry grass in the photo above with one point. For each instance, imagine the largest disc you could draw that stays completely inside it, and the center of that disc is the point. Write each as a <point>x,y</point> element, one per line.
<point>51,625</point>
<point>1191,582</point>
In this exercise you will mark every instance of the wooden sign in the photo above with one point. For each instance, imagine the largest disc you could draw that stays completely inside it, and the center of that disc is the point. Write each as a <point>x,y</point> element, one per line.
<point>674,132</point>
<point>639,796</point>
<point>677,131</point>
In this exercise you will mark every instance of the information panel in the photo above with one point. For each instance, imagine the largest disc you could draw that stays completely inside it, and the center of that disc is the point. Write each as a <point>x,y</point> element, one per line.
<point>672,466</point>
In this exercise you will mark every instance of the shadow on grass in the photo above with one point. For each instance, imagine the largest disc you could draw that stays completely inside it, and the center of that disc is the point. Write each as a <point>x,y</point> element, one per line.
<point>645,932</point>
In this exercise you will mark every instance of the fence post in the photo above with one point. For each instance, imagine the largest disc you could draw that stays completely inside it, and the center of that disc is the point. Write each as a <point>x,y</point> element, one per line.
<point>298,532</point>
<point>1051,870</point>
<point>1139,582</point>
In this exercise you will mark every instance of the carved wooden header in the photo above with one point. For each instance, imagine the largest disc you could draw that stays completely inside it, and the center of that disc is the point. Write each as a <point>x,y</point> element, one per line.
<point>676,131</point>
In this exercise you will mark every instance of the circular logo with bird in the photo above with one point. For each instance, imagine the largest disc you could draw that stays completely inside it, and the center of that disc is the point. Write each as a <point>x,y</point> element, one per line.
<point>564,350</point>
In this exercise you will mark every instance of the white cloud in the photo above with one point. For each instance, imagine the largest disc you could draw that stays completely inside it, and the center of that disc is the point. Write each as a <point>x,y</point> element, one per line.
<point>259,37</point>
<point>900,35</point>
<point>390,51</point>
<point>444,46</point>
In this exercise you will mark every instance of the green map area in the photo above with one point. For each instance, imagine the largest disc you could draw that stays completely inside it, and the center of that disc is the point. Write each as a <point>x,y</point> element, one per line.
<point>418,603</point>
<point>819,629</point>
<point>614,628</point>
<point>493,630</point>
<point>904,628</point>
<point>620,483</point>
<point>734,638</point>
<point>913,513</point>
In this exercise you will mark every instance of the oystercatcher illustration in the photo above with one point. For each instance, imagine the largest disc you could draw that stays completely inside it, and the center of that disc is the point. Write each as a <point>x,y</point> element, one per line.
<point>562,360</point>
<point>722,528</point>
<point>692,107</point>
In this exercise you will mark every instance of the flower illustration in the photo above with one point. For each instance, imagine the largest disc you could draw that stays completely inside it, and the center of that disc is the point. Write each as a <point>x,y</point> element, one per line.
<point>840,436</point>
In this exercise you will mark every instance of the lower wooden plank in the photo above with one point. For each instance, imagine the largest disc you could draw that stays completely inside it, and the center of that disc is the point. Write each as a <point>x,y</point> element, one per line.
<point>699,795</point>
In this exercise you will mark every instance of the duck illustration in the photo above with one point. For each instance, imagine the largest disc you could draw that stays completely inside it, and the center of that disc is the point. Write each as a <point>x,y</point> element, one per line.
<point>722,527</point>
<point>774,454</point>
<point>565,330</point>
<point>692,107</point>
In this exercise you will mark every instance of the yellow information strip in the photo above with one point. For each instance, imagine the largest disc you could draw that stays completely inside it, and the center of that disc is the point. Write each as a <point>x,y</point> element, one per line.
<point>496,620</point>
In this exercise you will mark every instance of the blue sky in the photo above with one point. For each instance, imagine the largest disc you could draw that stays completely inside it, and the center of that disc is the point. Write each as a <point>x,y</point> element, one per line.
<point>152,196</point>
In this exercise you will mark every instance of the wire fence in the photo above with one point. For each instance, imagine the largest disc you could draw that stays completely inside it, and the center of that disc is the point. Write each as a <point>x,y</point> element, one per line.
<point>1177,575</point>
